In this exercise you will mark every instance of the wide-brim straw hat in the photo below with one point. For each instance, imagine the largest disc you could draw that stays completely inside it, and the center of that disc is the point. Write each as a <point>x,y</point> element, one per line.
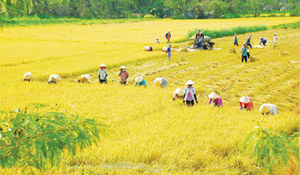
<point>179,92</point>
<point>158,81</point>
<point>139,79</point>
<point>265,108</point>
<point>245,99</point>
<point>123,67</point>
<point>190,82</point>
<point>87,76</point>
<point>102,65</point>
<point>213,95</point>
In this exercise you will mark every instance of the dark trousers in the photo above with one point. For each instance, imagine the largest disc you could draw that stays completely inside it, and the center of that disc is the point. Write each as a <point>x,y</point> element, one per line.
<point>190,103</point>
<point>248,55</point>
<point>244,58</point>
<point>249,45</point>
<point>236,44</point>
<point>103,81</point>
<point>123,82</point>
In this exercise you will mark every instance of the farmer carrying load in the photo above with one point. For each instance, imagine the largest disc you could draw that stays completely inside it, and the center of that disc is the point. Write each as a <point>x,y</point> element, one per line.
<point>244,52</point>
<point>248,41</point>
<point>268,109</point>
<point>123,75</point>
<point>263,41</point>
<point>246,103</point>
<point>160,82</point>
<point>53,79</point>
<point>84,78</point>
<point>215,99</point>
<point>102,74</point>
<point>235,41</point>
<point>28,76</point>
<point>179,93</point>
<point>190,94</point>
<point>139,81</point>
<point>168,36</point>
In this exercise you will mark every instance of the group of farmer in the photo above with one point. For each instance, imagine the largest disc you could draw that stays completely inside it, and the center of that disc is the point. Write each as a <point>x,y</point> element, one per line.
<point>245,52</point>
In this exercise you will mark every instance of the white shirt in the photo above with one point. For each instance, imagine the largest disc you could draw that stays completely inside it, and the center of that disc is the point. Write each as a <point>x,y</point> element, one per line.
<point>271,107</point>
<point>54,77</point>
<point>188,90</point>
<point>275,41</point>
<point>102,74</point>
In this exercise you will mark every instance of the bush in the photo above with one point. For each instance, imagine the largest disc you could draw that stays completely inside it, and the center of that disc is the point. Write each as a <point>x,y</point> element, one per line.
<point>149,16</point>
<point>39,139</point>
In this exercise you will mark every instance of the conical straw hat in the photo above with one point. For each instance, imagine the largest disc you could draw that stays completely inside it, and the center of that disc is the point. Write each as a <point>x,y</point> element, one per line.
<point>102,65</point>
<point>27,75</point>
<point>179,92</point>
<point>87,76</point>
<point>158,81</point>
<point>265,108</point>
<point>190,82</point>
<point>123,67</point>
<point>139,79</point>
<point>57,77</point>
<point>245,99</point>
<point>213,95</point>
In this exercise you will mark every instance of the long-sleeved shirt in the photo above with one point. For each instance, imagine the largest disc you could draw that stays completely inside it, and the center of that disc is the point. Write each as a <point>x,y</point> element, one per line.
<point>275,40</point>
<point>244,51</point>
<point>217,102</point>
<point>248,40</point>
<point>271,109</point>
<point>263,41</point>
<point>141,83</point>
<point>102,73</point>
<point>168,35</point>
<point>190,91</point>
<point>123,76</point>
<point>163,82</point>
<point>248,106</point>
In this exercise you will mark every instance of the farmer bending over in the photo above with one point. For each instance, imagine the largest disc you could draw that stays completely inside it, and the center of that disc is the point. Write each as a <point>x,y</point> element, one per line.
<point>246,103</point>
<point>178,94</point>
<point>263,41</point>
<point>139,81</point>
<point>84,78</point>
<point>53,79</point>
<point>28,76</point>
<point>215,99</point>
<point>268,109</point>
<point>160,82</point>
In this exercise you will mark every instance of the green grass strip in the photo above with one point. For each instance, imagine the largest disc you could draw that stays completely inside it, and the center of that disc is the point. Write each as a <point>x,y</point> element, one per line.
<point>295,25</point>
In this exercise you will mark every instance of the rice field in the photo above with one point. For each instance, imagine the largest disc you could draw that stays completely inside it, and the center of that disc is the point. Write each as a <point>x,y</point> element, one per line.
<point>149,133</point>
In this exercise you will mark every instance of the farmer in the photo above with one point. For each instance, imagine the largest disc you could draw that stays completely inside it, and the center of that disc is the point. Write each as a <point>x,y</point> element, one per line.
<point>168,51</point>
<point>179,93</point>
<point>102,74</point>
<point>263,41</point>
<point>198,35</point>
<point>160,82</point>
<point>168,36</point>
<point>248,53</point>
<point>247,103</point>
<point>148,48</point>
<point>157,41</point>
<point>268,109</point>
<point>123,75</point>
<point>140,81</point>
<point>275,40</point>
<point>84,78</point>
<point>190,94</point>
<point>28,76</point>
<point>201,37</point>
<point>248,41</point>
<point>215,99</point>
<point>53,79</point>
<point>235,42</point>
<point>244,52</point>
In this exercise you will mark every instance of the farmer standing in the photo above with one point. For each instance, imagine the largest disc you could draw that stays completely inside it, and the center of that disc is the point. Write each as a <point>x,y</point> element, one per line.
<point>190,94</point>
<point>235,42</point>
<point>168,36</point>
<point>102,74</point>
<point>275,40</point>
<point>248,41</point>
<point>246,103</point>
<point>169,52</point>
<point>123,75</point>
<point>244,52</point>
<point>215,99</point>
<point>268,109</point>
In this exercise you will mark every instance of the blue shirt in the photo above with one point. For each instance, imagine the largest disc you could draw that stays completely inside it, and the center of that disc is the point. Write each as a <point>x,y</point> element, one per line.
<point>141,83</point>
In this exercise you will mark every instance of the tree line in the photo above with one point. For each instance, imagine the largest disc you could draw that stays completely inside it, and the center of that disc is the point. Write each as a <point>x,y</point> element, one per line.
<point>180,9</point>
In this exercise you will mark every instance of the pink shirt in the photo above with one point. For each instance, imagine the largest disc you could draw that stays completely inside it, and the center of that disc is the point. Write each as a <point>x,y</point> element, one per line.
<point>189,97</point>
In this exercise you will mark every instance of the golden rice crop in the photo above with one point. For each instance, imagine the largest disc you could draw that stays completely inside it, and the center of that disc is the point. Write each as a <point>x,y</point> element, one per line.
<point>148,132</point>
